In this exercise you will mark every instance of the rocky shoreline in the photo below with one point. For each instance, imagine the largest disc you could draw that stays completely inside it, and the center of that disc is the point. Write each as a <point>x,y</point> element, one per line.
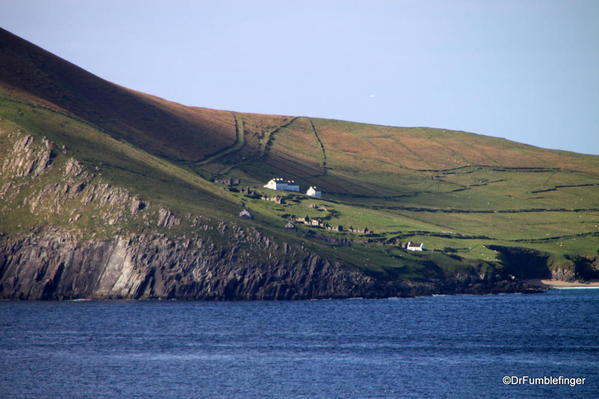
<point>58,264</point>
<point>167,256</point>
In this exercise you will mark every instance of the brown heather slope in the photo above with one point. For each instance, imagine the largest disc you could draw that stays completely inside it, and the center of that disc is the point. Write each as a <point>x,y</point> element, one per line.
<point>344,157</point>
<point>355,158</point>
<point>305,148</point>
<point>482,205</point>
<point>394,149</point>
<point>160,127</point>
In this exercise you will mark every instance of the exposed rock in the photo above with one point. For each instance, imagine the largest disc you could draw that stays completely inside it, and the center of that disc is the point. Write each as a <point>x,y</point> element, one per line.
<point>28,157</point>
<point>587,268</point>
<point>58,264</point>
<point>208,259</point>
<point>513,257</point>
<point>166,218</point>
<point>137,205</point>
<point>73,168</point>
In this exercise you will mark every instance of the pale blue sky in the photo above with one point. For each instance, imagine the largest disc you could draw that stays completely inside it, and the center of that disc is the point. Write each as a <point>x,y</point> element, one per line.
<point>524,70</point>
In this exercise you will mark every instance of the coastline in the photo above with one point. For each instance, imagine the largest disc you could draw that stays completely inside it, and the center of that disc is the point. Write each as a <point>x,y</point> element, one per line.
<point>559,284</point>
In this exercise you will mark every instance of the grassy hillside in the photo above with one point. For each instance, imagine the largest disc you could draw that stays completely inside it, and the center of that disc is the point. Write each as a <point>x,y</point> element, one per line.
<point>457,192</point>
<point>159,126</point>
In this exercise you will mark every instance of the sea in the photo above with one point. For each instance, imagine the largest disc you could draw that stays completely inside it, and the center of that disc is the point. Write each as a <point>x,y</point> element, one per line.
<point>464,346</point>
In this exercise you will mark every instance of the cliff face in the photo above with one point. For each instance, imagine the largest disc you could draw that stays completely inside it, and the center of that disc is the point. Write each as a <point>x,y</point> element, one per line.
<point>540,265</point>
<point>55,264</point>
<point>86,252</point>
<point>107,192</point>
<point>70,234</point>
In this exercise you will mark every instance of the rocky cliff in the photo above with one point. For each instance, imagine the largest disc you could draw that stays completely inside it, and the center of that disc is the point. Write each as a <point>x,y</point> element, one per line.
<point>57,264</point>
<point>68,233</point>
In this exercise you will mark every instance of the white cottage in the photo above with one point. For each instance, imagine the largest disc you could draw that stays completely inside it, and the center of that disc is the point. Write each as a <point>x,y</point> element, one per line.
<point>313,192</point>
<point>415,247</point>
<point>279,183</point>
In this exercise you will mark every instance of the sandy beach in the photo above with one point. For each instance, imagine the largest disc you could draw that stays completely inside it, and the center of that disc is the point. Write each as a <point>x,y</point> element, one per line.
<point>558,284</point>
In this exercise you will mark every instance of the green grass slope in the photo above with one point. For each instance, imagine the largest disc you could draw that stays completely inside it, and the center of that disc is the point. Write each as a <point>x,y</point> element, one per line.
<point>161,127</point>
<point>459,193</point>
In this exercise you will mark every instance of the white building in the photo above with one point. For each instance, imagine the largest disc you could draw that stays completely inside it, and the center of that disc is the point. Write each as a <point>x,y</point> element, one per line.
<point>313,192</point>
<point>415,247</point>
<point>279,183</point>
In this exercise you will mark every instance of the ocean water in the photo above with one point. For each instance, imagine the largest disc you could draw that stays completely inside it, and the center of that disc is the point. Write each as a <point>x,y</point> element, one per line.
<point>432,347</point>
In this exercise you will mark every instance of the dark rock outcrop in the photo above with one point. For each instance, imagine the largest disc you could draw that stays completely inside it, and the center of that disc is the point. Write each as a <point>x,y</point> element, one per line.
<point>90,239</point>
<point>57,264</point>
<point>513,259</point>
<point>587,268</point>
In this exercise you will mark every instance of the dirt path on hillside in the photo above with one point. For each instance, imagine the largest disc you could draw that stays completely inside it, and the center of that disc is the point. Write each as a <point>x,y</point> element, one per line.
<point>269,137</point>
<point>236,146</point>
<point>322,149</point>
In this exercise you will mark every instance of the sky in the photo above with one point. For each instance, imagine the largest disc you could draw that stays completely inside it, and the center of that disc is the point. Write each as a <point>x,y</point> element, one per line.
<point>526,70</point>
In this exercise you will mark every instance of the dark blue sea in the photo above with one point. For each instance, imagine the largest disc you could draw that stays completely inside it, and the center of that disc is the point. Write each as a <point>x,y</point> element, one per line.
<point>431,347</point>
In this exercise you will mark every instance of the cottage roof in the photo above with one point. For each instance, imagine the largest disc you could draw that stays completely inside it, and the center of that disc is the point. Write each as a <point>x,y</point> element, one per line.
<point>282,180</point>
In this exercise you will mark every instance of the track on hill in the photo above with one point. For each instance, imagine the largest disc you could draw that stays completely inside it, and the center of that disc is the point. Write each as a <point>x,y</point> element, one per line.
<point>236,146</point>
<point>321,145</point>
<point>269,137</point>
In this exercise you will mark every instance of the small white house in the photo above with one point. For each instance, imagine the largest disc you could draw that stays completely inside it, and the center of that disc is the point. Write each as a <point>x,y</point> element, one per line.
<point>279,183</point>
<point>313,192</point>
<point>415,247</point>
